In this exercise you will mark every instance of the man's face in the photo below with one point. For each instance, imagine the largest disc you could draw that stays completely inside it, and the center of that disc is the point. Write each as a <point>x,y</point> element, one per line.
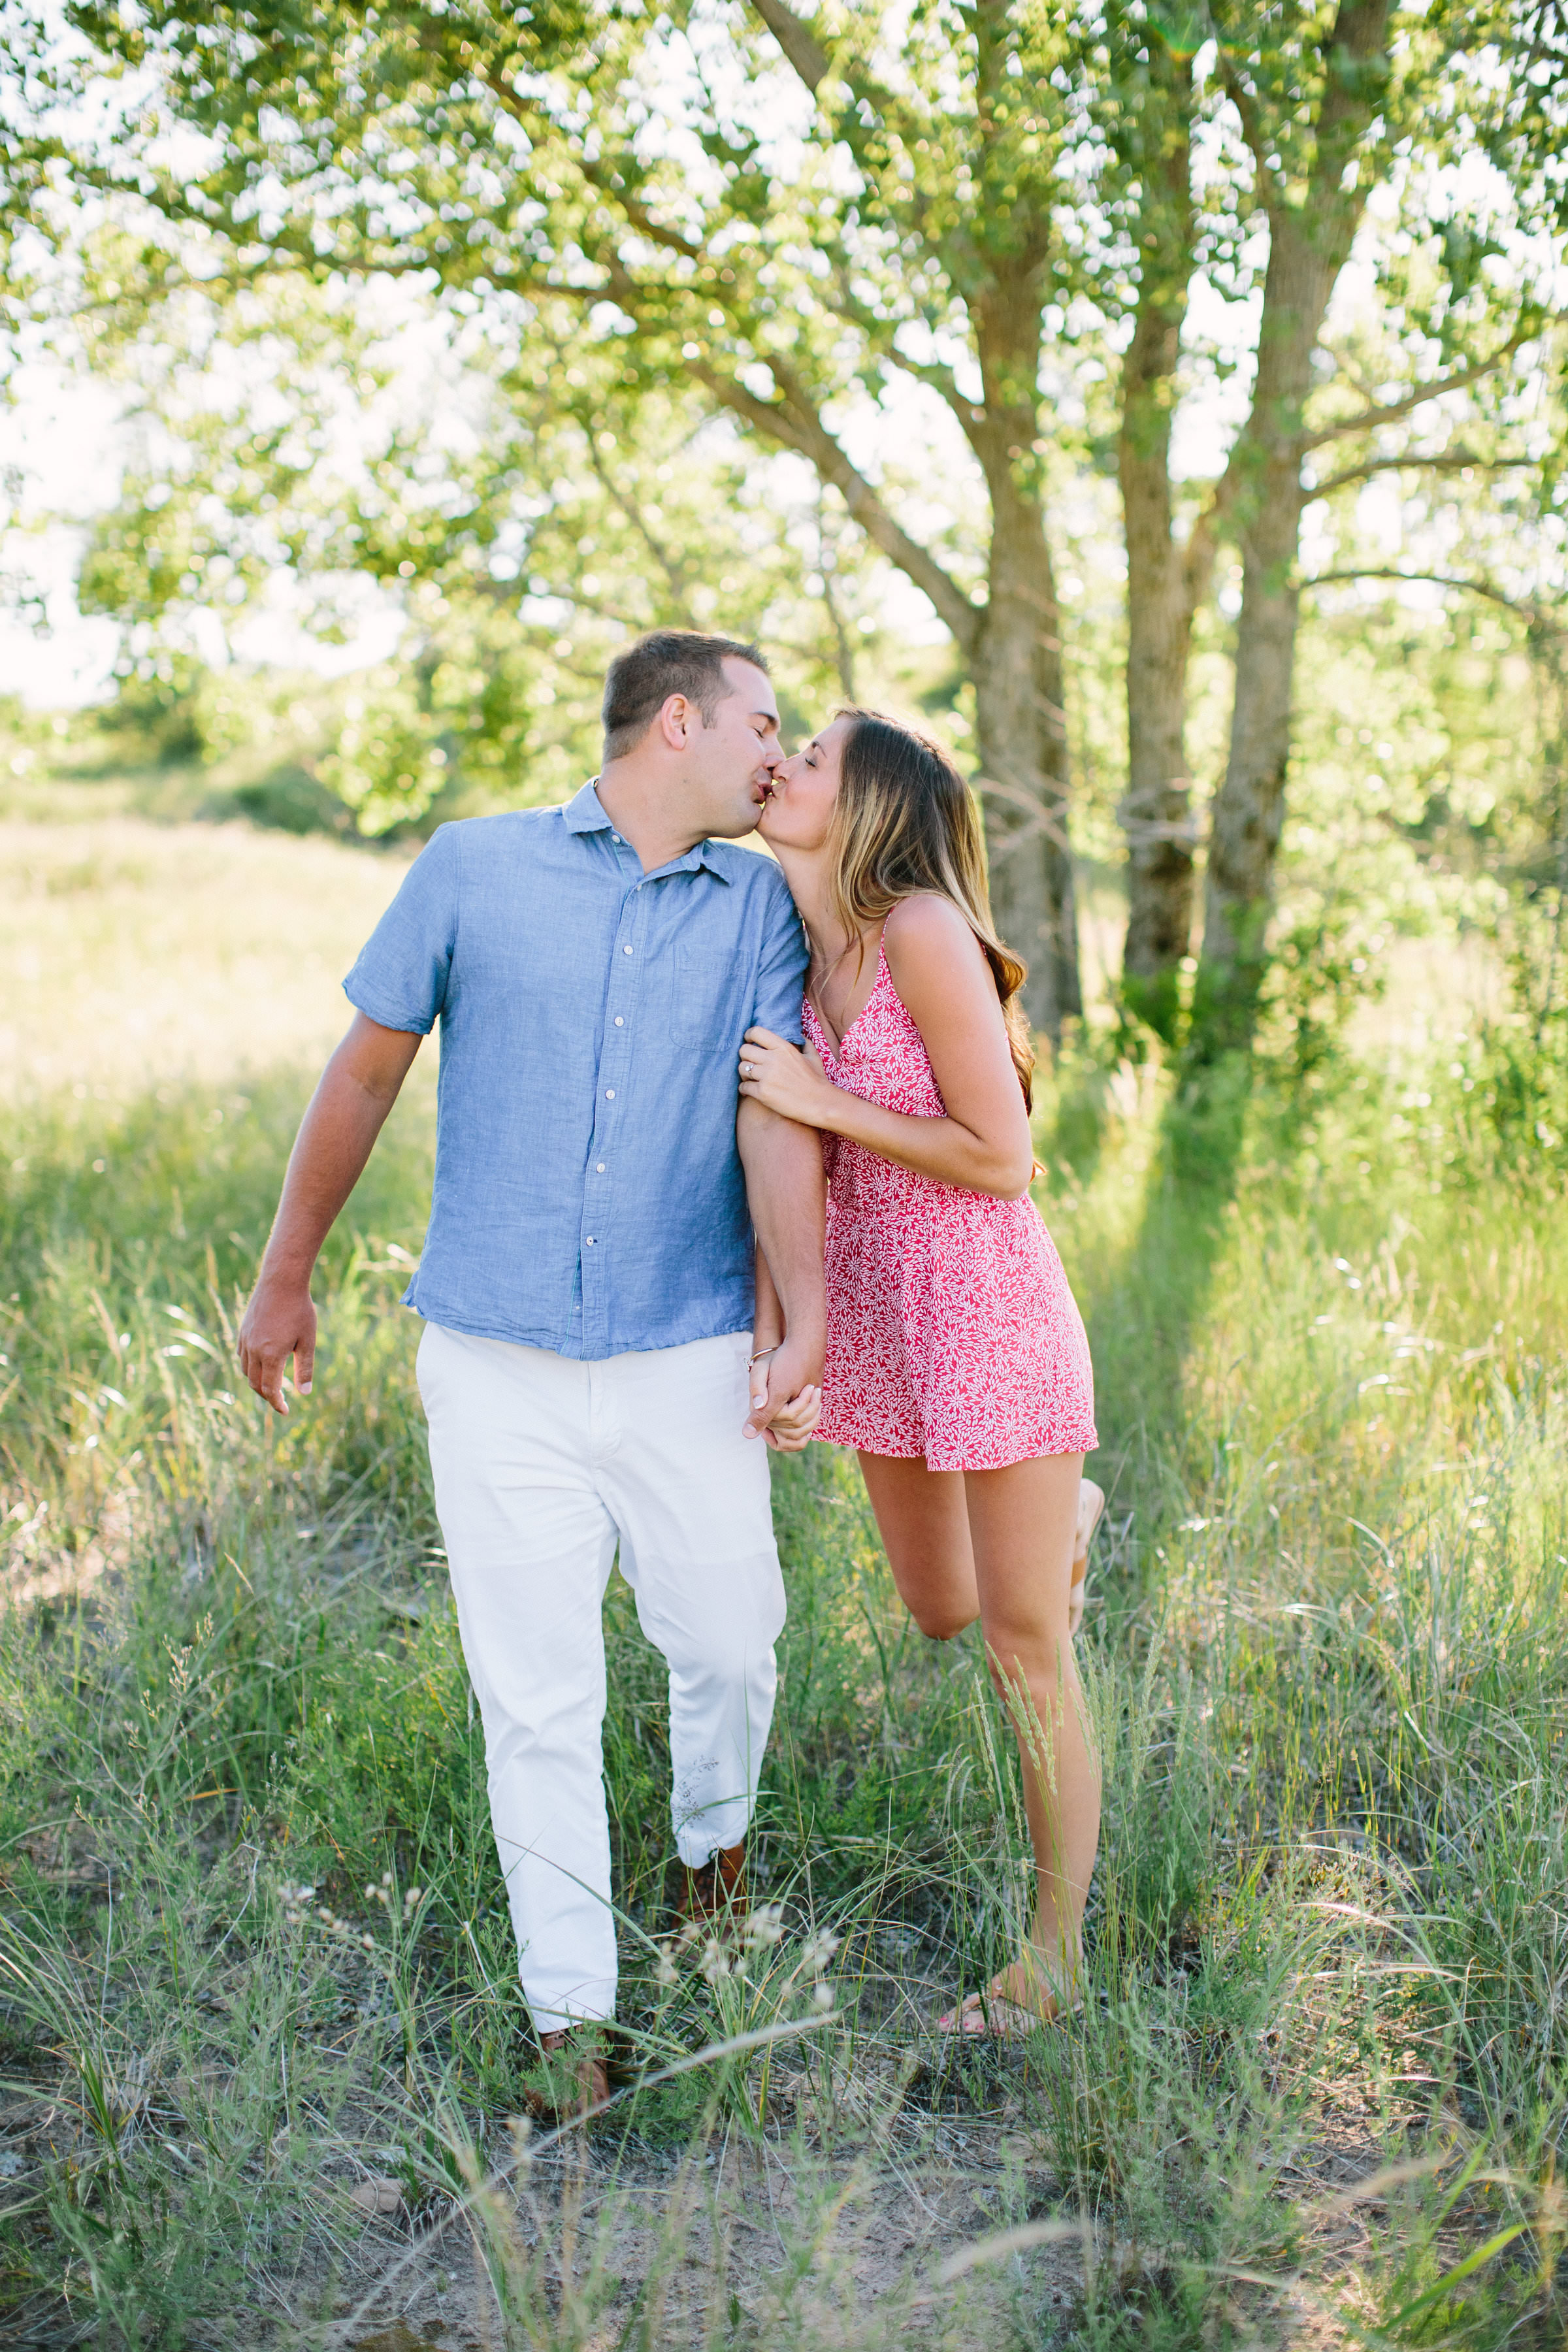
<point>730,762</point>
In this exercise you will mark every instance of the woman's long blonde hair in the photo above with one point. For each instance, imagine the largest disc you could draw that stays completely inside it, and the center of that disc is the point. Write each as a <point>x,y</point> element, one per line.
<point>905,821</point>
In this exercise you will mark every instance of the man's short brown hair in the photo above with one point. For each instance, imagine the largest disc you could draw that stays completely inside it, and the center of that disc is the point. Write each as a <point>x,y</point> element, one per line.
<point>639,682</point>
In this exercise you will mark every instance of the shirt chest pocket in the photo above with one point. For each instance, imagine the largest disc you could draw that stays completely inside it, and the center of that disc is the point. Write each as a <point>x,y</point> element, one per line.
<point>708,1000</point>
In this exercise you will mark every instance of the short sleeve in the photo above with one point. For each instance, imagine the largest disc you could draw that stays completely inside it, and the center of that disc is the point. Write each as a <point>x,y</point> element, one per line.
<point>400,977</point>
<point>780,970</point>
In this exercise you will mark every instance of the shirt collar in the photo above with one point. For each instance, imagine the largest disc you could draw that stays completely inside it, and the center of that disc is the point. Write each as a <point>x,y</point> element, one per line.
<point>584,813</point>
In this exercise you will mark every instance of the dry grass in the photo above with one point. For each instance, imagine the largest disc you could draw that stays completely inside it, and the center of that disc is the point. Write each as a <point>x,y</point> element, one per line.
<point>137,956</point>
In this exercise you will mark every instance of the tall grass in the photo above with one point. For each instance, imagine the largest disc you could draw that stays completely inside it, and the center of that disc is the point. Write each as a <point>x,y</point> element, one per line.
<point>262,2031</point>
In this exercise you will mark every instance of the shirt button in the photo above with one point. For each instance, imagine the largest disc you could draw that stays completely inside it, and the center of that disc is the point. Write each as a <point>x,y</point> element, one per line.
<point>609,1093</point>
<point>600,1169</point>
<point>589,1239</point>
<point>615,837</point>
<point>620,1024</point>
<point>625,950</point>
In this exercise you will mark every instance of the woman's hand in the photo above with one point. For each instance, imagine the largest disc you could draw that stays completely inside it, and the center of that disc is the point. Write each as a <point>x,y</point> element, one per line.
<point>786,1402</point>
<point>788,1079</point>
<point>790,1430</point>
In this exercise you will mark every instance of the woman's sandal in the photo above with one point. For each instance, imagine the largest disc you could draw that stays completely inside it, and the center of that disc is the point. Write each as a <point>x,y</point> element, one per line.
<point>994,2014</point>
<point>1090,1508</point>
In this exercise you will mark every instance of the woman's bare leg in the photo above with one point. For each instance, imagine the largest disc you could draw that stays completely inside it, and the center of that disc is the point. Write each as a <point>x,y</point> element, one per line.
<point>1022,1523</point>
<point>922,1516</point>
<point>1002,1545</point>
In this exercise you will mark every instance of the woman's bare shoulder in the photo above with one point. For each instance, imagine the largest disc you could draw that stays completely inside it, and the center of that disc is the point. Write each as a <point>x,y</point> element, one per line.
<point>927,938</point>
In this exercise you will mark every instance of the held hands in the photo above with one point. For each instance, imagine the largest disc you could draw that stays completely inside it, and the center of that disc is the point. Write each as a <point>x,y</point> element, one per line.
<point>786,1405</point>
<point>786,1078</point>
<point>279,1322</point>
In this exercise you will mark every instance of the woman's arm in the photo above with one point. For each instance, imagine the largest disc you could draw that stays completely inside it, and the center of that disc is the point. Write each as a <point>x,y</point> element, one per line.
<point>939,972</point>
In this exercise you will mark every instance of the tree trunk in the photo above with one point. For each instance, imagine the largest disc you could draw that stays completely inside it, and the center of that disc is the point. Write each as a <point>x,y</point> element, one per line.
<point>1016,655</point>
<point>1249,808</point>
<point>1310,243</point>
<point>1016,666</point>
<point>1163,581</point>
<point>997,260</point>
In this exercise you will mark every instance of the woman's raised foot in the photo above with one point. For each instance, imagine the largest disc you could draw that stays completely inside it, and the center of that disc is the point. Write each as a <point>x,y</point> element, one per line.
<point>1090,1506</point>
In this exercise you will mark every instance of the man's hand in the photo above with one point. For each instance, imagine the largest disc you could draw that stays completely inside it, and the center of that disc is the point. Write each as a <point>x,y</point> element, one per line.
<point>359,1087</point>
<point>788,1194</point>
<point>279,1322</point>
<point>786,1397</point>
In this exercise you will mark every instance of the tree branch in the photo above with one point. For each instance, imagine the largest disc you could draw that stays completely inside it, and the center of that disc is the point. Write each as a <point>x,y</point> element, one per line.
<point>798,42</point>
<point>1527,606</point>
<point>638,215</point>
<point>1451,462</point>
<point>881,337</point>
<point>1202,541</point>
<point>1383,413</point>
<point>795,421</point>
<point>596,174</point>
<point>1240,97</point>
<point>674,571</point>
<point>880,332</point>
<point>812,64</point>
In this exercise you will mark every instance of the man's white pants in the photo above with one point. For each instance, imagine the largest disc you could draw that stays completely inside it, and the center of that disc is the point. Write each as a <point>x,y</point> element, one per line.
<point>541,1467</point>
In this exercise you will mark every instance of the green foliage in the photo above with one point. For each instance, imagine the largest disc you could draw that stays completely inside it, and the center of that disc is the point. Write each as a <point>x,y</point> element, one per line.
<point>156,715</point>
<point>523,511</point>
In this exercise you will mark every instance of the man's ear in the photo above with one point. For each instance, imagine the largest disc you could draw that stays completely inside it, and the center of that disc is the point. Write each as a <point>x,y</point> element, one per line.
<point>674,721</point>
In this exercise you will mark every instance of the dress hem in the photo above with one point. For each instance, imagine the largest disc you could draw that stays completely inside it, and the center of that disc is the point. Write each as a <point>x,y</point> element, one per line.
<point>921,1453</point>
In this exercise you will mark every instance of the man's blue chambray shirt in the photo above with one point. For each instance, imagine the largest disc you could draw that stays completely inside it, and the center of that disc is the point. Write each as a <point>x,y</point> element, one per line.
<point>588,1193</point>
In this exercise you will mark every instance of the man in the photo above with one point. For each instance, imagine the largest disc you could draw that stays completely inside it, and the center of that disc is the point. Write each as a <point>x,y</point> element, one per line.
<point>587,1277</point>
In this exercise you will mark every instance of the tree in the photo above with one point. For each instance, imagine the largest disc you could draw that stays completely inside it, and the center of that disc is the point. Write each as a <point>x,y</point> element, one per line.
<point>901,224</point>
<point>1150,131</point>
<point>1304,114</point>
<point>1330,104</point>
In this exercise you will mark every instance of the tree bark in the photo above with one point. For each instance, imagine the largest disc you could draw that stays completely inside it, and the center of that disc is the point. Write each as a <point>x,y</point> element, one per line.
<point>1016,666</point>
<point>1164,581</point>
<point>1310,242</point>
<point>1016,661</point>
<point>1249,808</point>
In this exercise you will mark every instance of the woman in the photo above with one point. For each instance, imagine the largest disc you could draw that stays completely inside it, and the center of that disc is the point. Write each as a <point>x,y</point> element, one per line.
<point>956,1361</point>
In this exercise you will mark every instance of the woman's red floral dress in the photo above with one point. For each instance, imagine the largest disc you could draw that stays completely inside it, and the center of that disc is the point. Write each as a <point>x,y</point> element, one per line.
<point>952,1331</point>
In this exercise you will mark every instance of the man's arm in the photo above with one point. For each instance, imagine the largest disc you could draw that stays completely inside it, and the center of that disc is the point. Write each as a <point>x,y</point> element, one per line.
<point>788,1194</point>
<point>768,1316</point>
<point>347,1112</point>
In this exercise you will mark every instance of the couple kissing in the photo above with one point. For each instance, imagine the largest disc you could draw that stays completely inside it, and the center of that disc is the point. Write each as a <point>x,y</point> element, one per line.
<point>732,1152</point>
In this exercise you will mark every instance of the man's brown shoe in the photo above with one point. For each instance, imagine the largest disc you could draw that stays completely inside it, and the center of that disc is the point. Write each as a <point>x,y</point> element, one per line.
<point>571,2078</point>
<point>714,1895</point>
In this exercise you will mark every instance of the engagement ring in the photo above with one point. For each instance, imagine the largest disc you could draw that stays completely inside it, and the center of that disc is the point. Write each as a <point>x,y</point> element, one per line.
<point>747,1071</point>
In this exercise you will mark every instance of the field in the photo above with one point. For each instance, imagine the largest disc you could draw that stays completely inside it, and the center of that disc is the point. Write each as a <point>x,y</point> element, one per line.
<point>262,2046</point>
